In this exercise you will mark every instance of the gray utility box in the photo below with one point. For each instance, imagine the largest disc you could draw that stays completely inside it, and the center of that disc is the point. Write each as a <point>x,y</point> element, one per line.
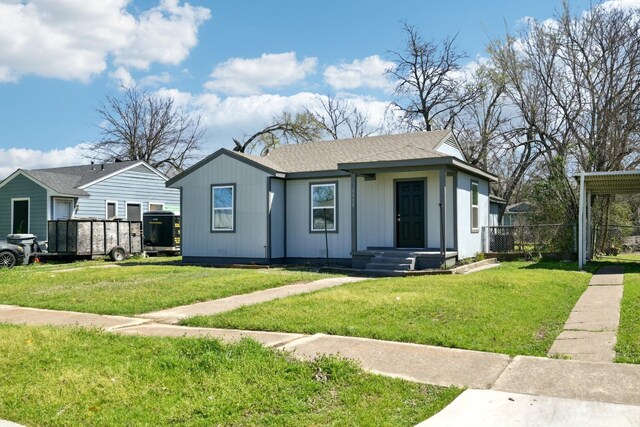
<point>28,242</point>
<point>94,238</point>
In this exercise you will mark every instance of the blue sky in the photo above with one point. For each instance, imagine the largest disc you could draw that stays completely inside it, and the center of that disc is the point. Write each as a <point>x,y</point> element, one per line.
<point>235,62</point>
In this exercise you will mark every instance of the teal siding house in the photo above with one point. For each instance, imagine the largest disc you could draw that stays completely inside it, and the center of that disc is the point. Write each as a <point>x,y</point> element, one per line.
<point>125,190</point>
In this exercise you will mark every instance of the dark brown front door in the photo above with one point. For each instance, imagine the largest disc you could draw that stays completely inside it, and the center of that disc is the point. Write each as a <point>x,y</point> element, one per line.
<point>410,214</point>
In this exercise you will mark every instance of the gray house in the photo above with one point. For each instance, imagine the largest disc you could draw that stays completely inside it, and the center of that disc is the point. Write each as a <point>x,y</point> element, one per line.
<point>29,198</point>
<point>408,199</point>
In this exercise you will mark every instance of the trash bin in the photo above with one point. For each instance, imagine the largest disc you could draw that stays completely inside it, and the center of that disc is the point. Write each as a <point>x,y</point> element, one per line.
<point>27,241</point>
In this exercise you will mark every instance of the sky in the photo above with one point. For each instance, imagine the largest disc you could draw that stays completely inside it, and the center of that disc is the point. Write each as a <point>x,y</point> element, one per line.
<point>237,63</point>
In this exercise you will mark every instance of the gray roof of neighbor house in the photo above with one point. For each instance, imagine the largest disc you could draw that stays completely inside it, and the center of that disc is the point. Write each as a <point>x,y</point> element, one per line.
<point>69,180</point>
<point>519,207</point>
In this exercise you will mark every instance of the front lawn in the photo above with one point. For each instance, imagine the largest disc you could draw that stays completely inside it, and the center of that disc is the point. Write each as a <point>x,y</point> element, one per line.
<point>69,376</point>
<point>134,287</point>
<point>518,308</point>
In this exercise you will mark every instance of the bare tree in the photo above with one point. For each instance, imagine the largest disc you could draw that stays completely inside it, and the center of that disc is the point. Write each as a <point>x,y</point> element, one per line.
<point>338,118</point>
<point>286,128</point>
<point>429,87</point>
<point>575,82</point>
<point>138,125</point>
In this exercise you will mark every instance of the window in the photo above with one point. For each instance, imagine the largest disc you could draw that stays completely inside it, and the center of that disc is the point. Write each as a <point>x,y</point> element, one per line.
<point>112,210</point>
<point>156,206</point>
<point>323,207</point>
<point>223,207</point>
<point>62,208</point>
<point>134,212</point>
<point>474,207</point>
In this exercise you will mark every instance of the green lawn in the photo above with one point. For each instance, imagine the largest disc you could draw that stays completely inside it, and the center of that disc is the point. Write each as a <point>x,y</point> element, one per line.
<point>134,287</point>
<point>628,346</point>
<point>69,376</point>
<point>518,308</point>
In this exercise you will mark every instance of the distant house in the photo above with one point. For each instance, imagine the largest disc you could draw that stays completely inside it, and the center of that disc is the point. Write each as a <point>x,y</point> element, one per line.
<point>495,203</point>
<point>29,198</point>
<point>384,202</point>
<point>517,214</point>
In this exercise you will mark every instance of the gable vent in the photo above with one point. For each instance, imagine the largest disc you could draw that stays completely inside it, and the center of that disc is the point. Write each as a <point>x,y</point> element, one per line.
<point>451,142</point>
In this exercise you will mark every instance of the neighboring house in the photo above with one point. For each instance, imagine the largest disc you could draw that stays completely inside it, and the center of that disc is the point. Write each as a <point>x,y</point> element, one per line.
<point>391,196</point>
<point>29,198</point>
<point>494,207</point>
<point>517,214</point>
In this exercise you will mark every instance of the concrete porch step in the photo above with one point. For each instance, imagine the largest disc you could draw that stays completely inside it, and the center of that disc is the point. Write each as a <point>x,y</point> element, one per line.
<point>388,266</point>
<point>393,260</point>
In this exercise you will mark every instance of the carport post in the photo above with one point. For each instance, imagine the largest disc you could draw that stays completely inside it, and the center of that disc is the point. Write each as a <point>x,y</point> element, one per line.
<point>581,223</point>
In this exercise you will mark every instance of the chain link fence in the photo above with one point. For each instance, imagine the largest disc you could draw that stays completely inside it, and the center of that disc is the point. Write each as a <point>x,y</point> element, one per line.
<point>616,239</point>
<point>529,239</point>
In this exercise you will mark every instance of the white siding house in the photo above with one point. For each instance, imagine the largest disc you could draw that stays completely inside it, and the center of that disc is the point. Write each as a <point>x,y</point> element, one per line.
<point>380,198</point>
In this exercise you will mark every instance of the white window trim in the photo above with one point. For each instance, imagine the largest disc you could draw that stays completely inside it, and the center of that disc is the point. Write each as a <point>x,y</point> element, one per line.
<point>477,207</point>
<point>55,216</point>
<point>334,207</point>
<point>155,203</point>
<point>22,199</point>
<point>233,208</point>
<point>126,213</point>
<point>106,208</point>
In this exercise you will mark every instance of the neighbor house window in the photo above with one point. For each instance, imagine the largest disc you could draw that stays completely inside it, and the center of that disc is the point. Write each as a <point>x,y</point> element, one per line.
<point>474,207</point>
<point>222,207</point>
<point>323,207</point>
<point>112,210</point>
<point>156,206</point>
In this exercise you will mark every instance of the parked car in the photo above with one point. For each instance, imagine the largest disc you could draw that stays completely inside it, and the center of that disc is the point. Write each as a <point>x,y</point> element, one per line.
<point>10,255</point>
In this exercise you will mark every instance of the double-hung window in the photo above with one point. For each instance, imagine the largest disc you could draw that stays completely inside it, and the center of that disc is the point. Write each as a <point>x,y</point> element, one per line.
<point>474,207</point>
<point>323,207</point>
<point>223,207</point>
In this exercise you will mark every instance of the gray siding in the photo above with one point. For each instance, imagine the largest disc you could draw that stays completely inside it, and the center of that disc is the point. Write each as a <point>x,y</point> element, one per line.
<point>277,209</point>
<point>376,207</point>
<point>301,242</point>
<point>21,187</point>
<point>470,243</point>
<point>137,185</point>
<point>249,240</point>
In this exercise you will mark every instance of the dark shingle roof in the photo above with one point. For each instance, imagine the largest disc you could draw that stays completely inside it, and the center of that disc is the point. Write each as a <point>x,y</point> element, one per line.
<point>67,180</point>
<point>325,155</point>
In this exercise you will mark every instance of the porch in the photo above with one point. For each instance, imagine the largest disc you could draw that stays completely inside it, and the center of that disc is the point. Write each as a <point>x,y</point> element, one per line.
<point>394,259</point>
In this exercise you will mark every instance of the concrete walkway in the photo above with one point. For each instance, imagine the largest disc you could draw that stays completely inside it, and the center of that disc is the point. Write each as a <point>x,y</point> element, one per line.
<point>591,381</point>
<point>206,308</point>
<point>590,332</point>
<point>489,408</point>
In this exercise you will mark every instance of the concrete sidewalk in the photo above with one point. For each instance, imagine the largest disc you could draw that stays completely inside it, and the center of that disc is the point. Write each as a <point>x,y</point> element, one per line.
<point>40,317</point>
<point>206,308</point>
<point>590,332</point>
<point>490,408</point>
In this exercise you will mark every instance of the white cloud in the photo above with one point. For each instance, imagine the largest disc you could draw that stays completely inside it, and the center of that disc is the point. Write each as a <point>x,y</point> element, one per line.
<point>369,72</point>
<point>72,39</point>
<point>235,117</point>
<point>23,158</point>
<point>249,76</point>
<point>122,76</point>
<point>621,4</point>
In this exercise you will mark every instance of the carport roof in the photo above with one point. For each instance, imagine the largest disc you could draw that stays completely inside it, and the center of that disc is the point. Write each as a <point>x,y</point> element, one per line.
<point>615,182</point>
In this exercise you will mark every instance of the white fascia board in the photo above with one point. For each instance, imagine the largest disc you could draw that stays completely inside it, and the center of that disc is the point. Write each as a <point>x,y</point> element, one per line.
<point>122,171</point>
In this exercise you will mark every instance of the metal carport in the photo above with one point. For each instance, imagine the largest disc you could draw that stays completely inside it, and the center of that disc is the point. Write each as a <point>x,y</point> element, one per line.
<point>599,183</point>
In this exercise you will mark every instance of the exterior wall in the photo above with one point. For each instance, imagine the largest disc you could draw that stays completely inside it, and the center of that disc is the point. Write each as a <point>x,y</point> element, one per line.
<point>301,242</point>
<point>450,151</point>
<point>376,207</point>
<point>249,239</point>
<point>137,185</point>
<point>277,210</point>
<point>469,243</point>
<point>21,187</point>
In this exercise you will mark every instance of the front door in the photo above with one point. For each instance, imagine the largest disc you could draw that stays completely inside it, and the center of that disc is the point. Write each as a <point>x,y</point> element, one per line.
<point>410,214</point>
<point>20,217</point>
